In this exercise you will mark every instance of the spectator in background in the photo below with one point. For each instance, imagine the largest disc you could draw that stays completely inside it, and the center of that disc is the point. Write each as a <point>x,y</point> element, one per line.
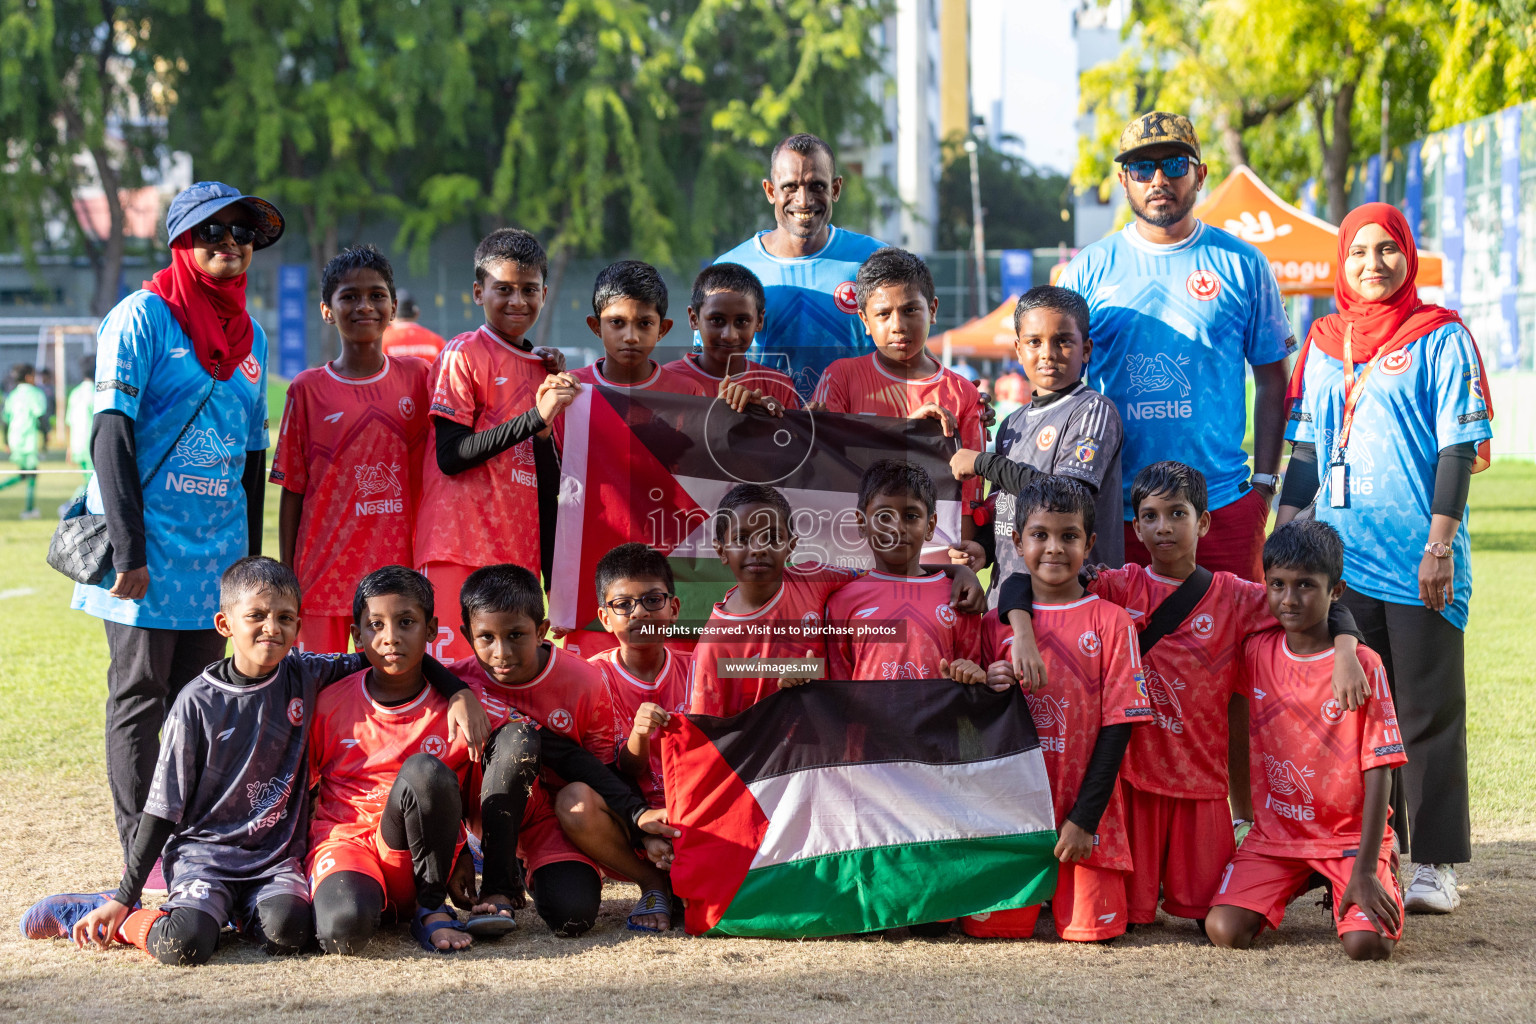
<point>406,337</point>
<point>78,410</point>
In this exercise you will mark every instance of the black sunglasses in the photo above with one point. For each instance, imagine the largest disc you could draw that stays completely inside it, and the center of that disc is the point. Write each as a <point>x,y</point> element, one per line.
<point>1145,170</point>
<point>213,232</point>
<point>655,601</point>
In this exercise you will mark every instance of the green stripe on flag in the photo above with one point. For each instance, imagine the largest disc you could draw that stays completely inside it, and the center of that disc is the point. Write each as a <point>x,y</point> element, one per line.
<point>891,886</point>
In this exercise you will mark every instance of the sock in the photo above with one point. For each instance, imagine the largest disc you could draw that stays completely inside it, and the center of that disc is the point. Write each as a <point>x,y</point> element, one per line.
<point>135,927</point>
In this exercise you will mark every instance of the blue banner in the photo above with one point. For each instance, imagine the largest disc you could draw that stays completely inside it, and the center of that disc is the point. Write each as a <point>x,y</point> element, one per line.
<point>292,319</point>
<point>1453,211</point>
<point>1017,271</point>
<point>1372,188</point>
<point>1413,188</point>
<point>1509,253</point>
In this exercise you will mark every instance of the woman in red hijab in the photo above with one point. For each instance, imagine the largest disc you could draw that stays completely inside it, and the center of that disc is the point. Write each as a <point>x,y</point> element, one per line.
<point>1390,417</point>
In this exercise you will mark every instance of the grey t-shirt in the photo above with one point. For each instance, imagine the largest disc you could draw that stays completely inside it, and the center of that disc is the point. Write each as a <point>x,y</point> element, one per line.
<point>1074,433</point>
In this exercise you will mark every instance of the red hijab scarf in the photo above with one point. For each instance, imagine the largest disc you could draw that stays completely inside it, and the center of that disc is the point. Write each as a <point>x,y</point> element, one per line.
<point>210,309</point>
<point>1383,326</point>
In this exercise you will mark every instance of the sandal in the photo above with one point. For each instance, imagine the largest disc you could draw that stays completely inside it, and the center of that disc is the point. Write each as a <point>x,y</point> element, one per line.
<point>423,932</point>
<point>652,902</point>
<point>493,925</point>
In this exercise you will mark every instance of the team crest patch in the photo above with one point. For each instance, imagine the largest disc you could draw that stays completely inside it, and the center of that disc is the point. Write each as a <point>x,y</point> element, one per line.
<point>296,711</point>
<point>1475,387</point>
<point>1089,644</point>
<point>1203,285</point>
<point>407,406</point>
<point>436,746</point>
<point>811,619</point>
<point>1046,438</point>
<point>945,614</point>
<point>560,720</point>
<point>1333,711</point>
<point>1086,450</point>
<point>846,298</point>
<point>1398,362</point>
<point>1203,624</point>
<point>250,368</point>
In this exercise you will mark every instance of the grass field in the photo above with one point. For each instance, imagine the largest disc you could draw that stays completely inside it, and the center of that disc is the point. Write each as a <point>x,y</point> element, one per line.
<point>58,835</point>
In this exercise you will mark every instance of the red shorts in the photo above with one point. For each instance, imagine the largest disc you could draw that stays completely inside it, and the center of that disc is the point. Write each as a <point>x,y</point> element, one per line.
<point>1088,905</point>
<point>1235,542</point>
<point>369,855</point>
<point>1266,884</point>
<point>325,634</point>
<point>1180,848</point>
<point>447,579</point>
<point>541,840</point>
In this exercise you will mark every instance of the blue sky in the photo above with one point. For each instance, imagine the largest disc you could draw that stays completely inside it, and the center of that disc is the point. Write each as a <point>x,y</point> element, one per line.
<point>1023,52</point>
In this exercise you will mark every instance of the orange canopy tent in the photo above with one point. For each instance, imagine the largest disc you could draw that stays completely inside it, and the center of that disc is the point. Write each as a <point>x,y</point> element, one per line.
<point>986,337</point>
<point>1302,250</point>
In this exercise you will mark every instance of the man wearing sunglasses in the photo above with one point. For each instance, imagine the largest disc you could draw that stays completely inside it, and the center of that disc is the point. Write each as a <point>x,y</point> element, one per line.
<point>1178,310</point>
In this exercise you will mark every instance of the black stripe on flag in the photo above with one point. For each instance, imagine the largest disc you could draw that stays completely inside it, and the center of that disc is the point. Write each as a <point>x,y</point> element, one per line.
<point>704,437</point>
<point>930,721</point>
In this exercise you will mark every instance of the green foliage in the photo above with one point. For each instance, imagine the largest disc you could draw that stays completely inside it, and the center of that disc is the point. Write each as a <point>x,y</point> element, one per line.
<point>1490,60</point>
<point>1022,204</point>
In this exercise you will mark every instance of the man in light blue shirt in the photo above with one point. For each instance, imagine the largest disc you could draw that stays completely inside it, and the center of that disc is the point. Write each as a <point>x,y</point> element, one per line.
<point>806,265</point>
<point>1178,307</point>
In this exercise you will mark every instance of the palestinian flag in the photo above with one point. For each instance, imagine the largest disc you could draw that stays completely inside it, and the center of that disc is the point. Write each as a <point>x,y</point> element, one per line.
<point>652,467</point>
<point>841,807</point>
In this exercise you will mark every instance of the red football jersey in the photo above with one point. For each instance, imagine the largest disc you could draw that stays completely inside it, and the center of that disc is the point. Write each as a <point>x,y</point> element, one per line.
<point>352,447</point>
<point>924,629</point>
<point>859,384</point>
<point>481,382</point>
<point>568,697</point>
<point>1192,674</point>
<point>1307,755</point>
<point>358,746</point>
<point>1094,669</point>
<point>661,379</point>
<point>627,692</point>
<point>404,338</point>
<point>765,633</point>
<point>770,382</point>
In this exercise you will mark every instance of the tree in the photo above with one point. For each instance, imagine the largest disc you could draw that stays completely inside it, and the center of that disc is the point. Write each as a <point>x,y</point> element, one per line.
<point>1023,203</point>
<point>1489,61</point>
<point>83,98</point>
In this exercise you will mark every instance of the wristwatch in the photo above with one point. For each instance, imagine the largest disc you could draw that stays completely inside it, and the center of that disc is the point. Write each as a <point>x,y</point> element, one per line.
<point>1438,548</point>
<point>1270,480</point>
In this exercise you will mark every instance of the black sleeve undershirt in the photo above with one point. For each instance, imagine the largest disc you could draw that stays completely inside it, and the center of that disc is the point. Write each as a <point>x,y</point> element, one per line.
<point>254,482</point>
<point>574,763</point>
<point>1100,779</point>
<point>460,448</point>
<point>114,453</point>
<point>1301,478</point>
<point>440,679</point>
<point>1453,478</point>
<point>1017,593</point>
<point>148,842</point>
<point>1003,473</point>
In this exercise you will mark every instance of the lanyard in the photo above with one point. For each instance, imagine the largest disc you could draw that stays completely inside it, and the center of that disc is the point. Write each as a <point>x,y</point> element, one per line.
<point>1353,389</point>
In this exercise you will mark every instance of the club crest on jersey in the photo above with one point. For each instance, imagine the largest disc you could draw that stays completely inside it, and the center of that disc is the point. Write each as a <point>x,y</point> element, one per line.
<point>846,298</point>
<point>1398,362</point>
<point>407,406</point>
<point>250,369</point>
<point>1089,643</point>
<point>1333,711</point>
<point>378,489</point>
<point>1203,285</point>
<point>1086,450</point>
<point>296,711</point>
<point>436,746</point>
<point>560,720</point>
<point>1045,438</point>
<point>811,619</point>
<point>1203,624</point>
<point>945,614</point>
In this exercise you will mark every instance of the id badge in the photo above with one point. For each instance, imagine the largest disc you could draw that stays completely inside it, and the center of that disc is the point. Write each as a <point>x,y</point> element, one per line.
<point>1338,485</point>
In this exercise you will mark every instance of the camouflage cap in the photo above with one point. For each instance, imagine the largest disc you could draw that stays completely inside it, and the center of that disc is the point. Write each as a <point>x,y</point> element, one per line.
<point>1158,129</point>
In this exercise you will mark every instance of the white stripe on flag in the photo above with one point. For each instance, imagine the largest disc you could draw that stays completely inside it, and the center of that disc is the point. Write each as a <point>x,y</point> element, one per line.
<point>839,808</point>
<point>569,523</point>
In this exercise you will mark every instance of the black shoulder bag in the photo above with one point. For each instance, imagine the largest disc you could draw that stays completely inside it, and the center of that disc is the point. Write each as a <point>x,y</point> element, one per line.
<point>1170,615</point>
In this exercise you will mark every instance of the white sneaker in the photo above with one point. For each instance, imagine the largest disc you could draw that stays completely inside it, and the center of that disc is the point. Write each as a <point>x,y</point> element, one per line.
<point>1432,891</point>
<point>31,513</point>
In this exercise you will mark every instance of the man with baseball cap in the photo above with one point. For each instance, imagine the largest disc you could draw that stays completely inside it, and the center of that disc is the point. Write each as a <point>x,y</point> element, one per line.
<point>179,440</point>
<point>1178,307</point>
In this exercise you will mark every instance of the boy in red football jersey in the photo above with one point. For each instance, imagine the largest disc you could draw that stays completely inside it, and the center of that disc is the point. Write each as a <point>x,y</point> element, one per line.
<point>514,666</point>
<point>1324,772</point>
<point>492,393</point>
<point>726,311</point>
<point>629,315</point>
<point>897,516</point>
<point>1084,714</point>
<point>387,773</point>
<point>1176,777</point>
<point>349,452</point>
<point>901,378</point>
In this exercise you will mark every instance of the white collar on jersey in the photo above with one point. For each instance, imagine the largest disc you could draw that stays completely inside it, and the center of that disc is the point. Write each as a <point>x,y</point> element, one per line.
<point>1134,237</point>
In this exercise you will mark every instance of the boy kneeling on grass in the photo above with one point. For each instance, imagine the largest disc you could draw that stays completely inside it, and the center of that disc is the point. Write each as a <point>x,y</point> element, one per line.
<point>229,802</point>
<point>1322,775</point>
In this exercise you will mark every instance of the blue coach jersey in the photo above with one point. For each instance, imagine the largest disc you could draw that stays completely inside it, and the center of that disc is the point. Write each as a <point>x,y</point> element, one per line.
<point>812,316</point>
<point>194,508</point>
<point>1419,400</point>
<point>1172,326</point>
